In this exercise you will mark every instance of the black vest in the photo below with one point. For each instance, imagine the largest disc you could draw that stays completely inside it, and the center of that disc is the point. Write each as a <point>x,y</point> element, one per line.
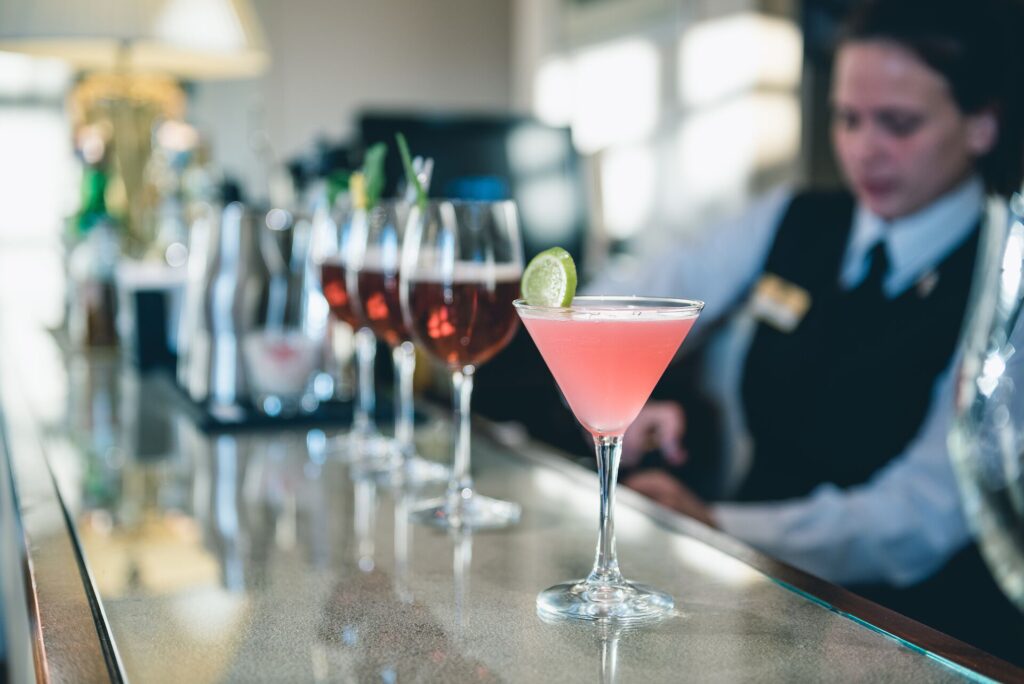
<point>845,391</point>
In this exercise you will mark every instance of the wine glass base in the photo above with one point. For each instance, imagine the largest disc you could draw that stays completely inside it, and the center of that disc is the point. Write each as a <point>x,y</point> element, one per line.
<point>621,602</point>
<point>414,471</point>
<point>475,512</point>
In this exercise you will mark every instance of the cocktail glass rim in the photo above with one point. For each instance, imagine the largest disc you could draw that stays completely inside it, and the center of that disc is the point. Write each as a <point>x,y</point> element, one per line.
<point>616,307</point>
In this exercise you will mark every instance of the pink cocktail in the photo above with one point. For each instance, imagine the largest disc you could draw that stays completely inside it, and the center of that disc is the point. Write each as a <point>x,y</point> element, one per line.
<point>631,356</point>
<point>606,354</point>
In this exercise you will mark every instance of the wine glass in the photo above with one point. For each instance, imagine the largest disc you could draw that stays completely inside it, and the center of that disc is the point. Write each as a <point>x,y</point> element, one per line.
<point>461,265</point>
<point>334,236</point>
<point>606,354</point>
<point>374,258</point>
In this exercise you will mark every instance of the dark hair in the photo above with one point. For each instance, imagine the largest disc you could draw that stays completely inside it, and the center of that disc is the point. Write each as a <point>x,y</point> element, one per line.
<point>972,44</point>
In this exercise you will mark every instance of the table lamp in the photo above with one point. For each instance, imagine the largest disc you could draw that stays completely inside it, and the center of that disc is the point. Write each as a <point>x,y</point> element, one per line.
<point>132,55</point>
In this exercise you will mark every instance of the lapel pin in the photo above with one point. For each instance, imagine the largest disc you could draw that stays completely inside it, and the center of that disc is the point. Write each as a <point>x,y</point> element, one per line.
<point>926,285</point>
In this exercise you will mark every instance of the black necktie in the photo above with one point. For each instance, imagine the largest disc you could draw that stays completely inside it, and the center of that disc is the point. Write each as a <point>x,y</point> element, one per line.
<point>874,283</point>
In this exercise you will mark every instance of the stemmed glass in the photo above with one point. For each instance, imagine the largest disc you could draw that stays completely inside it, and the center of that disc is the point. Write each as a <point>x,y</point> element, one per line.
<point>461,262</point>
<point>333,238</point>
<point>374,254</point>
<point>606,354</point>
<point>987,437</point>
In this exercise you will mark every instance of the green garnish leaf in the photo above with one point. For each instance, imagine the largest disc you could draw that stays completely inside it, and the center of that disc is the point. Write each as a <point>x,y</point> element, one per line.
<point>410,173</point>
<point>373,173</point>
<point>337,183</point>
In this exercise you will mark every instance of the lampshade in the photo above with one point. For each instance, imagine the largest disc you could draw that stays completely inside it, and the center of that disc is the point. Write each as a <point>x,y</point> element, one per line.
<point>189,39</point>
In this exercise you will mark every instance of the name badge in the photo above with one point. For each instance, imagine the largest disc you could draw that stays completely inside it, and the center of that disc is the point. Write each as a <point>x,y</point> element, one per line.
<point>779,303</point>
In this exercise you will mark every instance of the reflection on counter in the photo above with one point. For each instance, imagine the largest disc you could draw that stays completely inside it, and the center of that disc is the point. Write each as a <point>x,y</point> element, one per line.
<point>246,556</point>
<point>378,625</point>
<point>605,634</point>
<point>199,528</point>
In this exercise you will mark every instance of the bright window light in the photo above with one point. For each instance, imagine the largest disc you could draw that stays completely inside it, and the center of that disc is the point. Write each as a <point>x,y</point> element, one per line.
<point>777,118</point>
<point>37,160</point>
<point>548,203</point>
<point>716,150</point>
<point>722,145</point>
<point>627,190</point>
<point>552,92</point>
<point>608,93</point>
<point>22,76</point>
<point>616,94</point>
<point>722,57</point>
<point>38,167</point>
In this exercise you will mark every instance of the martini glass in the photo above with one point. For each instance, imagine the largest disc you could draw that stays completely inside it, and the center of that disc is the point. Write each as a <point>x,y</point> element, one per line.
<point>606,354</point>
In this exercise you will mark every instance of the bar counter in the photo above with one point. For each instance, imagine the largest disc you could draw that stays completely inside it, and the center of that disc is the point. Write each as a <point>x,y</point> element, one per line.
<point>137,547</point>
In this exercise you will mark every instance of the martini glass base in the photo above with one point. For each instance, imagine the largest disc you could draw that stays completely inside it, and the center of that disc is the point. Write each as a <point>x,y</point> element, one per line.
<point>621,602</point>
<point>474,512</point>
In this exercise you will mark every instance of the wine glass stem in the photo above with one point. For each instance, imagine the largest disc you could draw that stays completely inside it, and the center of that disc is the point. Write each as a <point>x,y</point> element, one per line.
<point>404,357</point>
<point>366,354</point>
<point>606,564</point>
<point>461,484</point>
<point>365,521</point>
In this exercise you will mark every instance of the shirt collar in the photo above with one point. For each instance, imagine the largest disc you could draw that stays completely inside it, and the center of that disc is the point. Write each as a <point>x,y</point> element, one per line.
<point>915,243</point>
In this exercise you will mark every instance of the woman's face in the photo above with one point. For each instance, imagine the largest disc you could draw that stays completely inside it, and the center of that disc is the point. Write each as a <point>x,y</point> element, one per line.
<point>901,139</point>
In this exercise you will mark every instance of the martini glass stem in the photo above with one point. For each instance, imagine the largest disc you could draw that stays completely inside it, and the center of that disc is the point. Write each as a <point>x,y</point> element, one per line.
<point>606,563</point>
<point>461,484</point>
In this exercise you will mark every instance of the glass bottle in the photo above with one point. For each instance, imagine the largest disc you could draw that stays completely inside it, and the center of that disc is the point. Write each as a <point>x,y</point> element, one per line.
<point>987,439</point>
<point>92,264</point>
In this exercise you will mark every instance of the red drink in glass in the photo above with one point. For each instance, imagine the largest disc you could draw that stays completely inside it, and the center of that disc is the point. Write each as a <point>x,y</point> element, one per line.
<point>332,278</point>
<point>380,301</point>
<point>467,321</point>
<point>462,261</point>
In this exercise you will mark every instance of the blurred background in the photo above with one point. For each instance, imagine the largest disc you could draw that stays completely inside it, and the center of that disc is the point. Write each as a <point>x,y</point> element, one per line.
<point>616,124</point>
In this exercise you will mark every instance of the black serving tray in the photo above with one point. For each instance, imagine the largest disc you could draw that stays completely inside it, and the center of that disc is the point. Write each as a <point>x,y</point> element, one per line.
<point>244,416</point>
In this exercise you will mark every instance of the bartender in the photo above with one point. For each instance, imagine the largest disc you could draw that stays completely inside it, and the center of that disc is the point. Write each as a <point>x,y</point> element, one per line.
<point>844,310</point>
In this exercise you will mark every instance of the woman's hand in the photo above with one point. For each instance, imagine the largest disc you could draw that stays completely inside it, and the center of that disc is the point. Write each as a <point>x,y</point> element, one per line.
<point>660,425</point>
<point>668,491</point>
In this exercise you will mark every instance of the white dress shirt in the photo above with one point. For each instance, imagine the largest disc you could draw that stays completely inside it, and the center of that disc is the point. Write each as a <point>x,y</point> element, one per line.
<point>905,522</point>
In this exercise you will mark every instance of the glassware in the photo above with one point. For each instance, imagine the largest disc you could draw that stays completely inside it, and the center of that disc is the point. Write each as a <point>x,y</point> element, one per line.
<point>332,245</point>
<point>281,352</point>
<point>374,260</point>
<point>462,262</point>
<point>606,354</point>
<point>987,439</point>
<point>247,295</point>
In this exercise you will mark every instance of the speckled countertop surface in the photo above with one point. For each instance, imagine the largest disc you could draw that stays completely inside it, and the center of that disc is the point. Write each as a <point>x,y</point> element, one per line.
<point>264,557</point>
